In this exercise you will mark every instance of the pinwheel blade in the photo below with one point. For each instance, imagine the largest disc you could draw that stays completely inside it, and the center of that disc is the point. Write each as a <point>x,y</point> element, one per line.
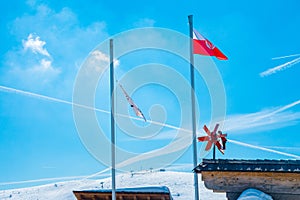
<point>208,146</point>
<point>216,128</point>
<point>203,138</point>
<point>206,130</point>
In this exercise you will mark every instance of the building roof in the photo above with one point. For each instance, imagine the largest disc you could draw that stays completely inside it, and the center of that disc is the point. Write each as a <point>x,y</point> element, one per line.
<point>139,190</point>
<point>141,193</point>
<point>249,165</point>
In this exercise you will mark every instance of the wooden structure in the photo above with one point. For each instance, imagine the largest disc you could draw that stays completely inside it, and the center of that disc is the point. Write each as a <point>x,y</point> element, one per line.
<point>143,193</point>
<point>278,178</point>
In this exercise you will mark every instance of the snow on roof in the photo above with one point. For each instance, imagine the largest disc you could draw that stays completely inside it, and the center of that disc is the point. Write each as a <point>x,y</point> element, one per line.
<point>148,190</point>
<point>249,165</point>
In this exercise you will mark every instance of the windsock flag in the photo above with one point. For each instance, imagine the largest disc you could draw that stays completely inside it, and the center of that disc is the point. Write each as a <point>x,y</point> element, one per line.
<point>204,47</point>
<point>137,111</point>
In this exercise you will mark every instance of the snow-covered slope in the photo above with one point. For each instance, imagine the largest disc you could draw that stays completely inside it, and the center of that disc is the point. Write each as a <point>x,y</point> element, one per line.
<point>179,183</point>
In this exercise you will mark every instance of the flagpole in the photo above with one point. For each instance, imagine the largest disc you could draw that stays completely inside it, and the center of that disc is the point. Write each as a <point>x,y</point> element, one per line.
<point>112,123</point>
<point>192,77</point>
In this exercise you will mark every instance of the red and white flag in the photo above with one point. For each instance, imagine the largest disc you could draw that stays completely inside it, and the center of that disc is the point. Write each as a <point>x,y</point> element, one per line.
<point>204,47</point>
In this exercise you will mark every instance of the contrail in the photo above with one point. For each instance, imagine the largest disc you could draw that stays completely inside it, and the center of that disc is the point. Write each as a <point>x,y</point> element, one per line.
<point>283,108</point>
<point>264,149</point>
<point>281,57</point>
<point>35,95</point>
<point>31,94</point>
<point>280,67</point>
<point>96,174</point>
<point>132,160</point>
<point>54,179</point>
<point>39,96</point>
<point>286,148</point>
<point>155,122</point>
<point>286,107</point>
<point>8,89</point>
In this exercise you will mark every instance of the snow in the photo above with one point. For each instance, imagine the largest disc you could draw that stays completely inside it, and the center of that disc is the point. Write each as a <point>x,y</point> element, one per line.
<point>179,183</point>
<point>160,190</point>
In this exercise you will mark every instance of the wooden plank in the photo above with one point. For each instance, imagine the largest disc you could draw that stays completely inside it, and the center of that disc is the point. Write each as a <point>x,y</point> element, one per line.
<point>270,182</point>
<point>120,196</point>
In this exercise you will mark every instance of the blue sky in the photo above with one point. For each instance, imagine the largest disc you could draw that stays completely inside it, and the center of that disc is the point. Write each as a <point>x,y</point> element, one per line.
<point>45,44</point>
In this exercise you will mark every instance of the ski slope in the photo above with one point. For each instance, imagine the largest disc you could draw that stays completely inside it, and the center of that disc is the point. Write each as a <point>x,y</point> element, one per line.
<point>179,183</point>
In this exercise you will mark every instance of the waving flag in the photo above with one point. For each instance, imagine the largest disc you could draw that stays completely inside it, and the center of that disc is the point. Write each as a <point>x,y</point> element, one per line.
<point>137,111</point>
<point>204,47</point>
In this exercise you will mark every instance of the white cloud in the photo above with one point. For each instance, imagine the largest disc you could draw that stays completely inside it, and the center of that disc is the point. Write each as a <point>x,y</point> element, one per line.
<point>45,66</point>
<point>266,119</point>
<point>39,74</point>
<point>100,56</point>
<point>48,38</point>
<point>99,61</point>
<point>280,67</point>
<point>29,69</point>
<point>36,45</point>
<point>144,22</point>
<point>31,3</point>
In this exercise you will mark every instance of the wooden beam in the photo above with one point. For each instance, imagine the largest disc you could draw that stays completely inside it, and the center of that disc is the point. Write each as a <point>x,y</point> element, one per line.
<point>236,182</point>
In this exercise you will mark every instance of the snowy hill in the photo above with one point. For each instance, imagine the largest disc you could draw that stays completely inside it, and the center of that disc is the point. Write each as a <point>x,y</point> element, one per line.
<point>179,183</point>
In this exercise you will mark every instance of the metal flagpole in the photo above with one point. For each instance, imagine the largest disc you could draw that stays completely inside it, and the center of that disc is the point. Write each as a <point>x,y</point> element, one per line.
<point>112,123</point>
<point>193,106</point>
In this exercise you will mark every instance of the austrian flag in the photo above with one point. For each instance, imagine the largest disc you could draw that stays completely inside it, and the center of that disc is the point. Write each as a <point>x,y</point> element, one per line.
<point>204,47</point>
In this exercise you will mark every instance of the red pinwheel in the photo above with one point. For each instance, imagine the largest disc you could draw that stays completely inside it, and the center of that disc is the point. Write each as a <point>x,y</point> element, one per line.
<point>213,138</point>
